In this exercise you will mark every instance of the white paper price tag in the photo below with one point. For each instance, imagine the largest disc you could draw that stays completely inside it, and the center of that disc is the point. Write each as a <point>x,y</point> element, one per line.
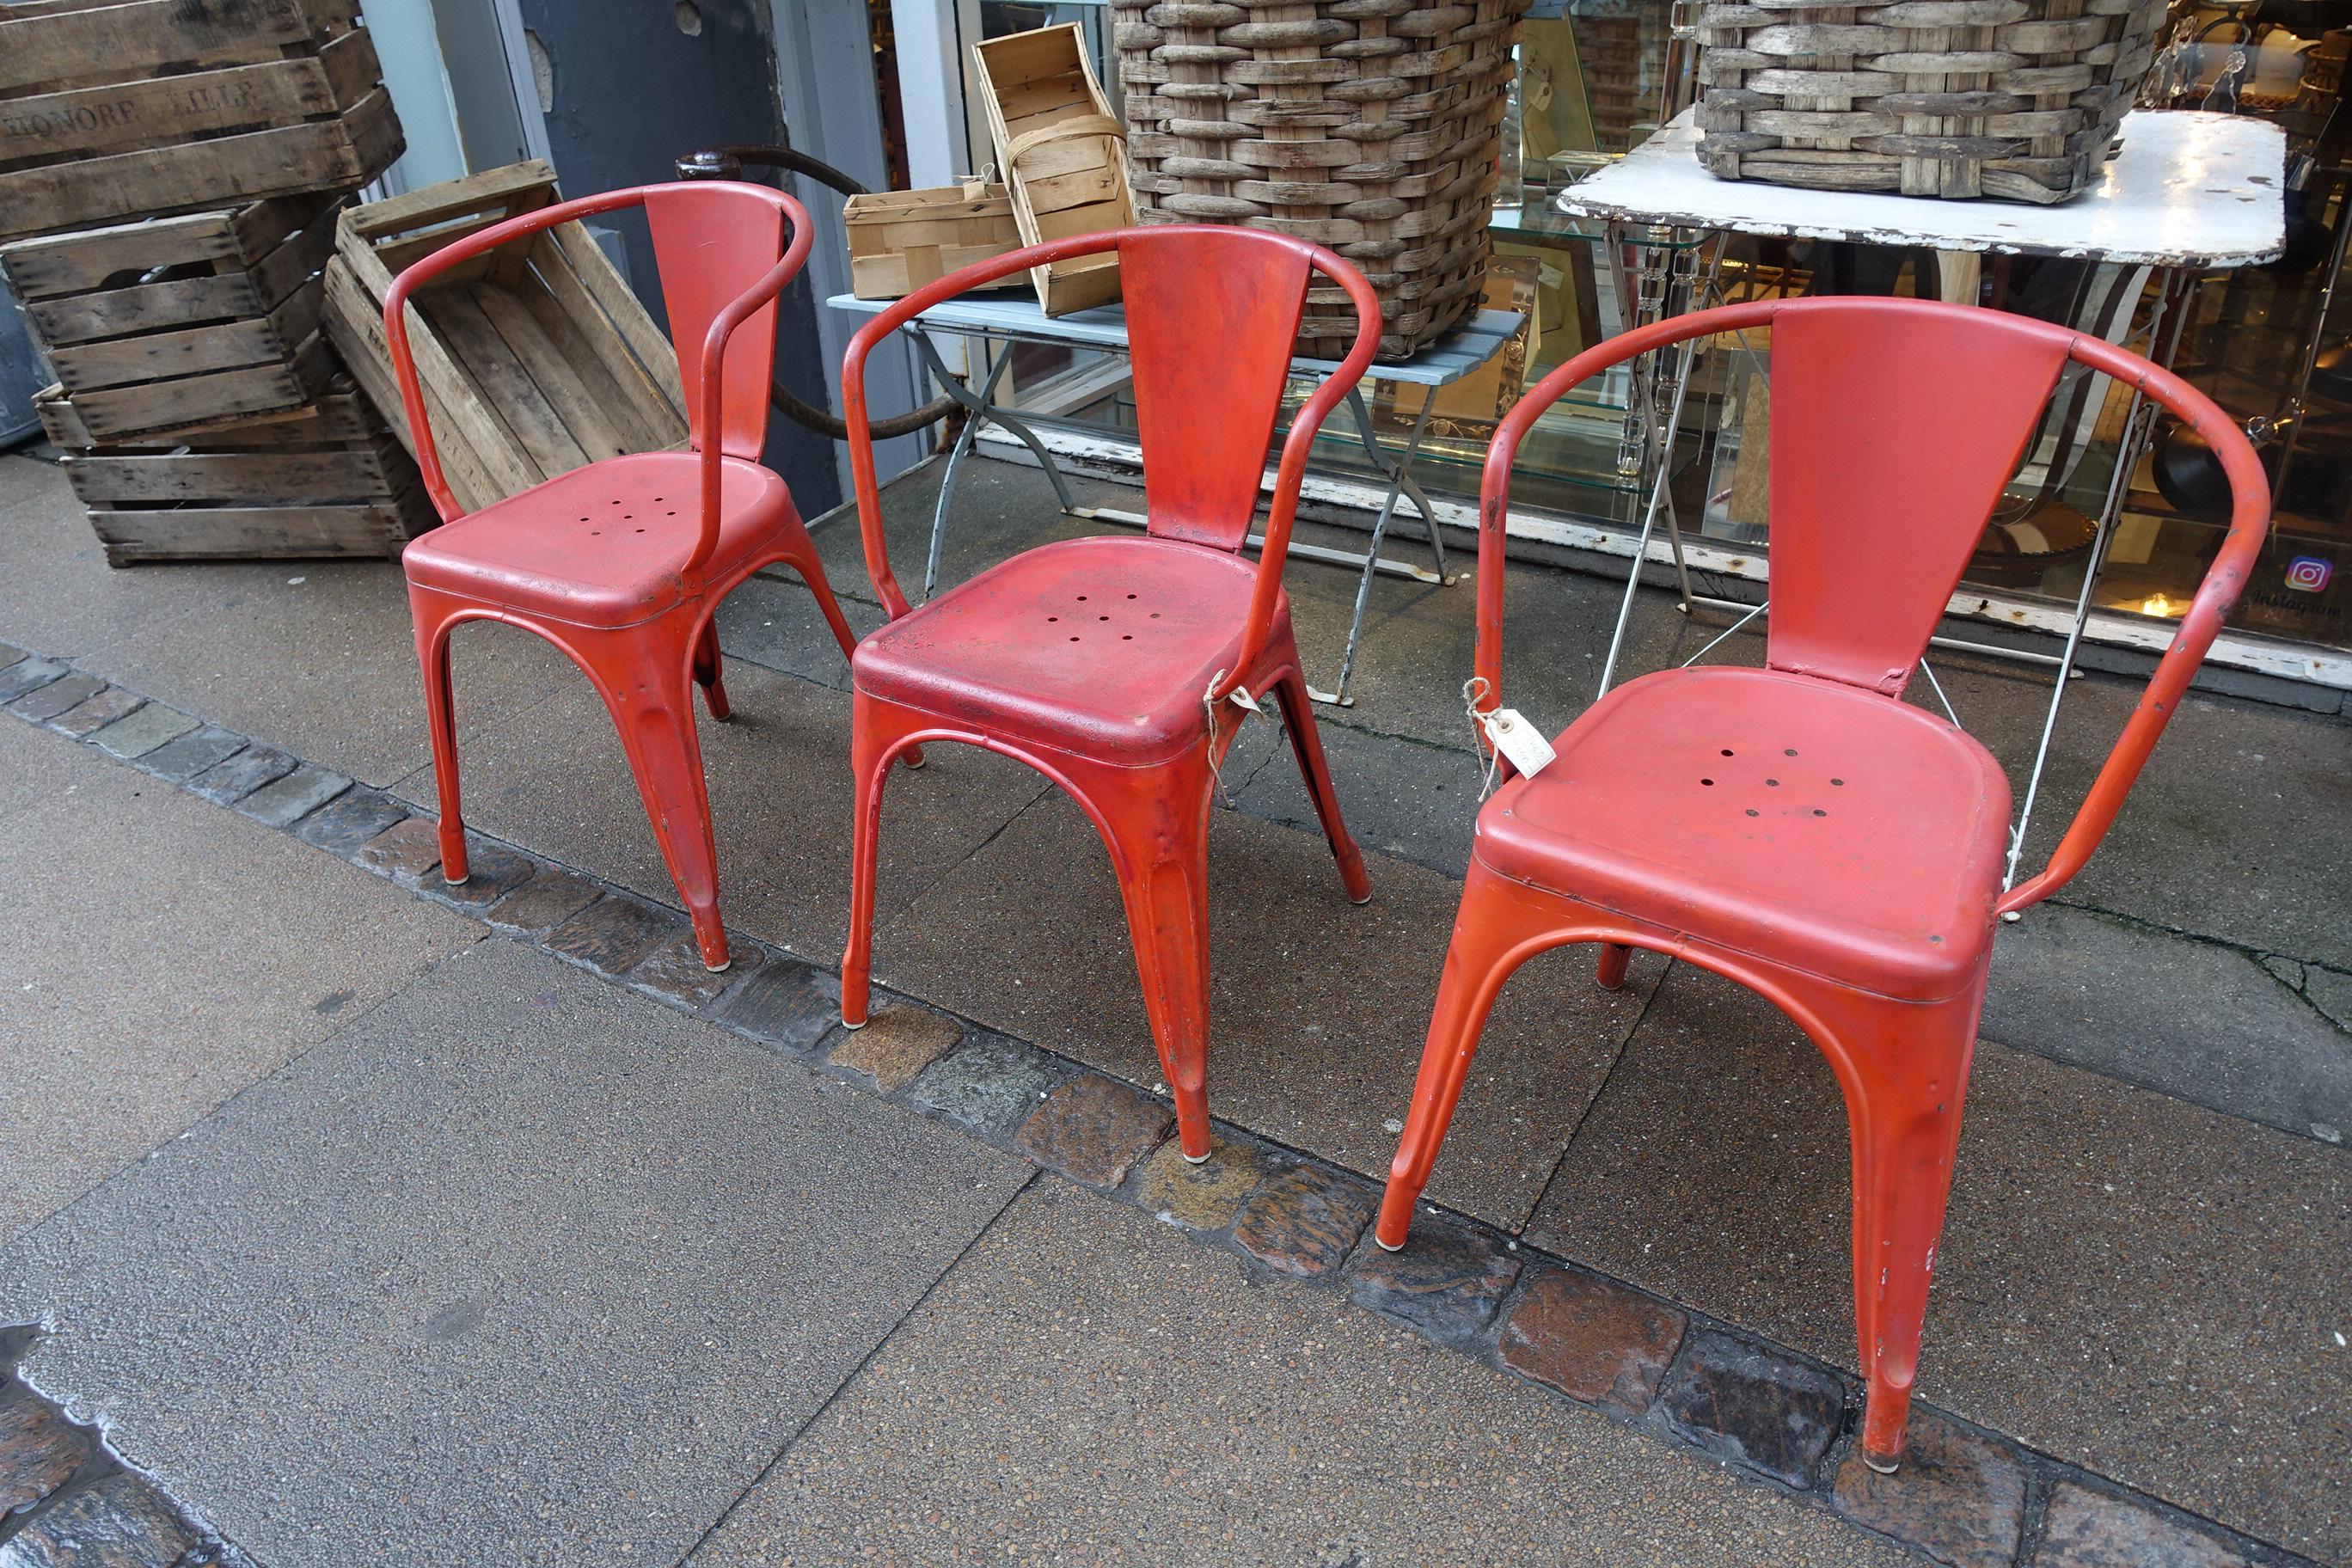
<point>1517,740</point>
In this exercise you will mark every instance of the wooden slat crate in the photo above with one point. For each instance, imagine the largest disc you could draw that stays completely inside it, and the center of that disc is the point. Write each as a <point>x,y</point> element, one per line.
<point>1063,154</point>
<point>901,241</point>
<point>151,325</point>
<point>535,359</point>
<point>326,479</point>
<point>115,108</point>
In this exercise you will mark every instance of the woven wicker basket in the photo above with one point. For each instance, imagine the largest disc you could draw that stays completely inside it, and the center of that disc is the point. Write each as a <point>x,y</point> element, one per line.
<point>2013,99</point>
<point>1370,126</point>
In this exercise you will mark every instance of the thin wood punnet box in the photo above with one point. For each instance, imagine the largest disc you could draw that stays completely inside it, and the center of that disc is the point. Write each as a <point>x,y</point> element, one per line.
<point>326,479</point>
<point>1063,153</point>
<point>152,325</point>
<point>115,108</point>
<point>901,241</point>
<point>535,359</point>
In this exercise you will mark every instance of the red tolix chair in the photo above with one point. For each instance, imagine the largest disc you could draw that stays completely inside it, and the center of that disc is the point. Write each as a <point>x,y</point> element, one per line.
<point>621,563</point>
<point>1800,829</point>
<point>1116,667</point>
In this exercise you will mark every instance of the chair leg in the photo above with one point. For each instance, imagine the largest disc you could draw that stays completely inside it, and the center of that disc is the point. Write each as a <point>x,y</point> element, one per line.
<point>798,551</point>
<point>1615,958</point>
<point>870,734</point>
<point>1158,836</point>
<point>1298,717</point>
<point>709,674</point>
<point>1912,1066</point>
<point>646,674</point>
<point>1477,962</point>
<point>432,631</point>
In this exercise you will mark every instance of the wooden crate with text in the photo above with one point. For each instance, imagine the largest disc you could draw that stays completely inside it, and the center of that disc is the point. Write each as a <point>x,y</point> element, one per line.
<point>113,109</point>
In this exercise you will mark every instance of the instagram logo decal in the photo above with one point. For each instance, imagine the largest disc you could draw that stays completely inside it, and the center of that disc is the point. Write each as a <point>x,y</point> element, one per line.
<point>2309,573</point>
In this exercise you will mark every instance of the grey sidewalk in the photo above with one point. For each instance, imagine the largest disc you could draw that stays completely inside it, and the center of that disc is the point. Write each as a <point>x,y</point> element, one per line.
<point>477,1259</point>
<point>2147,1282</point>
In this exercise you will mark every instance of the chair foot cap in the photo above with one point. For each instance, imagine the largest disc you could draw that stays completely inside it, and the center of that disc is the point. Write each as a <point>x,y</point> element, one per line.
<point>854,1027</point>
<point>1195,1159</point>
<point>457,881</point>
<point>1885,1466</point>
<point>718,968</point>
<point>1360,903</point>
<point>1384,1246</point>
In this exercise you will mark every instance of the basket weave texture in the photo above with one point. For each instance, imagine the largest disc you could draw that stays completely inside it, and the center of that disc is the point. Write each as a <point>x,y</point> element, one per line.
<point>2012,98</point>
<point>1369,126</point>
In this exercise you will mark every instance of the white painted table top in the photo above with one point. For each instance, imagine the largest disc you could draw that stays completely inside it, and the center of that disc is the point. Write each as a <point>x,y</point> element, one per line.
<point>2187,188</point>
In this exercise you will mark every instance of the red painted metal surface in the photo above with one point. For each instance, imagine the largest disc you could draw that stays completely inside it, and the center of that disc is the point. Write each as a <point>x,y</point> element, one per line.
<point>1090,659</point>
<point>621,563</point>
<point>1798,829</point>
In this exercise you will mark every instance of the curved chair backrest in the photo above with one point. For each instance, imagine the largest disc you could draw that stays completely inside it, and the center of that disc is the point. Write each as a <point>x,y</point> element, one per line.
<point>1895,425</point>
<point>1212,313</point>
<point>723,248</point>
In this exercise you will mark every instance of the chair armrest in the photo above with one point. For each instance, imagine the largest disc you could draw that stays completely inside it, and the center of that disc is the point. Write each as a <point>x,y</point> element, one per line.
<point>853,386</point>
<point>2250,517</point>
<point>1495,485</point>
<point>709,395</point>
<point>1282,507</point>
<point>419,273</point>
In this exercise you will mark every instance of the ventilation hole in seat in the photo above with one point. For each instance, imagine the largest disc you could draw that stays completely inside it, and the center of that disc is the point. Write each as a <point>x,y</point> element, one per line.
<point>641,530</point>
<point>1839,783</point>
<point>1082,598</point>
<point>1938,940</point>
<point>1790,752</point>
<point>1126,637</point>
<point>1726,751</point>
<point>1102,618</point>
<point>596,533</point>
<point>1073,640</point>
<point>1155,614</point>
<point>1753,812</point>
<point>1709,783</point>
<point>1818,812</point>
<point>1773,783</point>
<point>1131,596</point>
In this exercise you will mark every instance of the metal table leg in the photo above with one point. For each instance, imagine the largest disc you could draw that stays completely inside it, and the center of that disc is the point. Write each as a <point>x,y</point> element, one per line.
<point>981,407</point>
<point>1401,483</point>
<point>2166,321</point>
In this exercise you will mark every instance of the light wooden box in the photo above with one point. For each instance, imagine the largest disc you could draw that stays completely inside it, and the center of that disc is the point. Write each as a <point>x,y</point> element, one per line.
<point>534,358</point>
<point>1063,154</point>
<point>901,241</point>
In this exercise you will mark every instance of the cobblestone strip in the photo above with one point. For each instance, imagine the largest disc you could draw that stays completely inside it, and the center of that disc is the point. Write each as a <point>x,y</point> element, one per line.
<point>67,1500</point>
<point>1965,1496</point>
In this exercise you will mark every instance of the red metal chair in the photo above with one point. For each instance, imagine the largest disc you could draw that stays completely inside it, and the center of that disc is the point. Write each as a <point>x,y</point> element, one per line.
<point>1113,666</point>
<point>1800,829</point>
<point>622,563</point>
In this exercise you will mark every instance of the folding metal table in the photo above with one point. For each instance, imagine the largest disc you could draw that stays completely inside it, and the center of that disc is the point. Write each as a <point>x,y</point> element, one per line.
<point>2186,193</point>
<point>1016,318</point>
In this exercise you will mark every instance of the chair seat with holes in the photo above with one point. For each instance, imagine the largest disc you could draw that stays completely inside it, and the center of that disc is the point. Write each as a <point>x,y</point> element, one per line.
<point>1856,838</point>
<point>1091,645</point>
<point>602,545</point>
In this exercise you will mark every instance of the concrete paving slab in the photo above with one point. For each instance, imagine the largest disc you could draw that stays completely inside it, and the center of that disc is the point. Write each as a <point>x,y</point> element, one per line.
<point>521,1267</point>
<point>1155,1405</point>
<point>2127,1282</point>
<point>2192,1018</point>
<point>1319,1007</point>
<point>554,779</point>
<point>163,954</point>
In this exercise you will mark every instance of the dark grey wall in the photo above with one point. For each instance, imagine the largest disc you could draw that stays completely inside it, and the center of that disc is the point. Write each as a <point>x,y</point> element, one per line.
<point>630,85</point>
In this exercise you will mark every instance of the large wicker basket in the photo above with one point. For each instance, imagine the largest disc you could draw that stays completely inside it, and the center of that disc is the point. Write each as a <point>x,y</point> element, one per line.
<point>2013,99</point>
<point>1370,126</point>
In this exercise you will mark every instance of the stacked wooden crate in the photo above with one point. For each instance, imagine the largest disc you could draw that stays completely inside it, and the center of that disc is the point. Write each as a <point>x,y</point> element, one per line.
<point>170,178</point>
<point>323,479</point>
